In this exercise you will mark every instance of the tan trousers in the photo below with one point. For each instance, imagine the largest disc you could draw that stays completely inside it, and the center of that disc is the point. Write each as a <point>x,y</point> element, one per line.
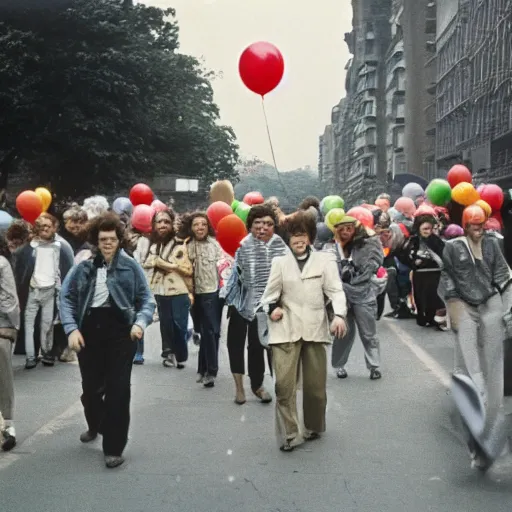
<point>288,359</point>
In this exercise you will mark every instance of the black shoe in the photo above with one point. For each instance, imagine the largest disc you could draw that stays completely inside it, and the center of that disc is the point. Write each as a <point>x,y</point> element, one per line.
<point>208,381</point>
<point>9,439</point>
<point>88,436</point>
<point>113,461</point>
<point>341,373</point>
<point>375,374</point>
<point>30,363</point>
<point>196,337</point>
<point>48,361</point>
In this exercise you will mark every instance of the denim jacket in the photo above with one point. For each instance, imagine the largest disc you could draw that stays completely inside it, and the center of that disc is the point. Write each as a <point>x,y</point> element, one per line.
<point>126,283</point>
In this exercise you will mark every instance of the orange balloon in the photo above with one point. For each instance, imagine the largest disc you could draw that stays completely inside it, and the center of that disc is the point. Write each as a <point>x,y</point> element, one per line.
<point>465,194</point>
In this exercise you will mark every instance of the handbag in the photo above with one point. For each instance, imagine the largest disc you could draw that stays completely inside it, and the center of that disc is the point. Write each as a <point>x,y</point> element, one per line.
<point>263,331</point>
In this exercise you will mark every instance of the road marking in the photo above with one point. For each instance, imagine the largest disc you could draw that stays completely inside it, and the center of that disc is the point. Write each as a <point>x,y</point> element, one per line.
<point>426,359</point>
<point>30,444</point>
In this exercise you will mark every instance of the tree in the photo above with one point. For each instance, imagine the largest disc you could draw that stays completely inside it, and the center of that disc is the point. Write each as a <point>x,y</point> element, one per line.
<point>95,94</point>
<point>291,188</point>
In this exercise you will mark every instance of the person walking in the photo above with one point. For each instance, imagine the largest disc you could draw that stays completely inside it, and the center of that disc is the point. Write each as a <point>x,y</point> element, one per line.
<point>105,306</point>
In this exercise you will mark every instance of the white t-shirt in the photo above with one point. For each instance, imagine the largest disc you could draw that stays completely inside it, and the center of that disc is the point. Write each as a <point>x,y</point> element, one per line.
<point>46,268</point>
<point>101,290</point>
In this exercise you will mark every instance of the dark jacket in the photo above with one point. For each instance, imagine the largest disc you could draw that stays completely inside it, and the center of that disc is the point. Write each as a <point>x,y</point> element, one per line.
<point>470,280</point>
<point>411,252</point>
<point>126,284</point>
<point>23,264</point>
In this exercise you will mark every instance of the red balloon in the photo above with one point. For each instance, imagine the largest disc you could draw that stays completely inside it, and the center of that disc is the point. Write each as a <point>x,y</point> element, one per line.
<point>29,206</point>
<point>492,195</point>
<point>363,215</point>
<point>142,218</point>
<point>497,216</point>
<point>459,174</point>
<point>141,194</point>
<point>252,198</point>
<point>217,211</point>
<point>261,67</point>
<point>159,206</point>
<point>231,231</point>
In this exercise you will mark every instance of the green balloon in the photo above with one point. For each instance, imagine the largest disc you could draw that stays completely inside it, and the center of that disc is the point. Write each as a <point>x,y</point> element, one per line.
<point>234,205</point>
<point>331,202</point>
<point>439,192</point>
<point>242,211</point>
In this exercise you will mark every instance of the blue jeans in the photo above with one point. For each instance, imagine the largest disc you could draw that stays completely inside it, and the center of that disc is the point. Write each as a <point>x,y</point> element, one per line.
<point>173,312</point>
<point>206,309</point>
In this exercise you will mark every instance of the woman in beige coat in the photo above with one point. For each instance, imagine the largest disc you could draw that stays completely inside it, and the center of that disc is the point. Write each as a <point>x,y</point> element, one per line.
<point>300,285</point>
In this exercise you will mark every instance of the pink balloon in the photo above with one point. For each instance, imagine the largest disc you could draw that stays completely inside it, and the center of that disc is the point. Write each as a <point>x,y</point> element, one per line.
<point>142,218</point>
<point>406,206</point>
<point>252,198</point>
<point>159,206</point>
<point>425,209</point>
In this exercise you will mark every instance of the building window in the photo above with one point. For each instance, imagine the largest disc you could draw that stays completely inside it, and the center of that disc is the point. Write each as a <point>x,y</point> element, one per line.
<point>371,137</point>
<point>368,166</point>
<point>398,137</point>
<point>369,46</point>
<point>371,80</point>
<point>183,185</point>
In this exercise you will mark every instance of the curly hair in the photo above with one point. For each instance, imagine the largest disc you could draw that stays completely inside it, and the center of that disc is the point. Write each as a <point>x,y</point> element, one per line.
<point>18,230</point>
<point>106,222</point>
<point>155,237</point>
<point>308,202</point>
<point>187,220</point>
<point>258,212</point>
<point>301,224</point>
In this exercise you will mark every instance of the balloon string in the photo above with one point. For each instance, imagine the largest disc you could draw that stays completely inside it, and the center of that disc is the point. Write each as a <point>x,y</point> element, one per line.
<point>272,147</point>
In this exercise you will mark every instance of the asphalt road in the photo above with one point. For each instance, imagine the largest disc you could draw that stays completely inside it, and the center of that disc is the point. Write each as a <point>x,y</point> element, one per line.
<point>390,444</point>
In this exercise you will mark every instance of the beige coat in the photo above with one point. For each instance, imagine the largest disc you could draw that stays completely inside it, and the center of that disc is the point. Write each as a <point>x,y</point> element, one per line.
<point>303,297</point>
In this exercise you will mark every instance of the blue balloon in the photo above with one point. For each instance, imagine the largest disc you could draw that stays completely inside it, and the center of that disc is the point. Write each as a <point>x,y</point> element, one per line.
<point>122,205</point>
<point>5,220</point>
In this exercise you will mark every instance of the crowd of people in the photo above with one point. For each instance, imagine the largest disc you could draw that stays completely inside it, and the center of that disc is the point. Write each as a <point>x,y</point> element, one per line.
<point>88,284</point>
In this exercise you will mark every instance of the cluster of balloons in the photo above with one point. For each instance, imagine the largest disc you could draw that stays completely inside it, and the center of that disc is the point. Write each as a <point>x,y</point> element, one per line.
<point>141,206</point>
<point>333,209</point>
<point>458,188</point>
<point>32,203</point>
<point>229,220</point>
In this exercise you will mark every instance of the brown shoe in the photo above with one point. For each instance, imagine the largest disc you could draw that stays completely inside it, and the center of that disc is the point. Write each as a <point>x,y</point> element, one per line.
<point>239,388</point>
<point>264,396</point>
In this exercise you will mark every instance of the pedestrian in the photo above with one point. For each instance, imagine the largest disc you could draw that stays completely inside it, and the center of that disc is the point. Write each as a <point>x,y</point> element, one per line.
<point>359,254</point>
<point>205,253</point>
<point>9,326</point>
<point>299,329</point>
<point>475,284</point>
<point>169,272</point>
<point>244,289</point>
<point>106,305</point>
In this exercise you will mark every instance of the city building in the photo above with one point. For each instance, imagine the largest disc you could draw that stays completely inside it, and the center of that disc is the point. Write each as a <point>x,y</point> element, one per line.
<point>360,121</point>
<point>473,93</point>
<point>395,96</point>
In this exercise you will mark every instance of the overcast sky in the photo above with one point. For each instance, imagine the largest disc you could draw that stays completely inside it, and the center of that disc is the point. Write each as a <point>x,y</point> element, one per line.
<point>311,40</point>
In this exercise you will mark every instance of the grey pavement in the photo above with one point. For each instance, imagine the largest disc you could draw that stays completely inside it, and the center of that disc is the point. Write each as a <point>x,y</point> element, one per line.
<point>389,445</point>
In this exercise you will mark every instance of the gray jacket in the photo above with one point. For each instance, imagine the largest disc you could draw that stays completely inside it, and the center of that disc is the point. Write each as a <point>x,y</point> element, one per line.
<point>9,304</point>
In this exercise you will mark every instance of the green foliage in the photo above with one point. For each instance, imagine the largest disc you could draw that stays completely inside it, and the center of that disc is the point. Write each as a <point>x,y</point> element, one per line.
<point>291,188</point>
<point>95,94</point>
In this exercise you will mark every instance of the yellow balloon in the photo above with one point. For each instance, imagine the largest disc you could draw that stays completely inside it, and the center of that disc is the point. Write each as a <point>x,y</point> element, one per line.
<point>46,197</point>
<point>485,207</point>
<point>465,194</point>
<point>334,217</point>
